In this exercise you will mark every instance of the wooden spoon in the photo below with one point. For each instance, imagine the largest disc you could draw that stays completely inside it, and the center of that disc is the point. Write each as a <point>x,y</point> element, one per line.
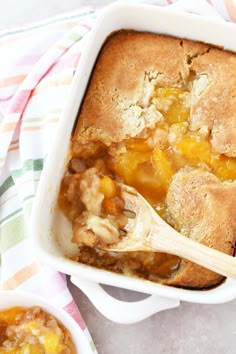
<point>147,231</point>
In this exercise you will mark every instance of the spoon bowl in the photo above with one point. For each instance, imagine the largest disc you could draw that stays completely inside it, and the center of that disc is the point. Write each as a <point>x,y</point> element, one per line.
<point>147,231</point>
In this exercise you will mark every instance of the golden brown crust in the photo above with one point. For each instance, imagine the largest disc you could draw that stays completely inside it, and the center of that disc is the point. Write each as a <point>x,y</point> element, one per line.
<point>131,64</point>
<point>216,108</point>
<point>119,104</point>
<point>117,99</point>
<point>202,208</point>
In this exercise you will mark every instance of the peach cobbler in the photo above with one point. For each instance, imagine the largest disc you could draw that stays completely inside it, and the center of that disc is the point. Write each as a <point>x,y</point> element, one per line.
<point>33,331</point>
<point>159,114</point>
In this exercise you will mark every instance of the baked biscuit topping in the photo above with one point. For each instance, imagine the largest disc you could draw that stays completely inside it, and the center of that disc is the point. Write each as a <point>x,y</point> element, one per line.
<point>160,115</point>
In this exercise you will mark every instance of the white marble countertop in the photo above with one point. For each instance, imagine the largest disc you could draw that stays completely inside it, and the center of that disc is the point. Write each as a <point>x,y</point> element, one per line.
<point>188,329</point>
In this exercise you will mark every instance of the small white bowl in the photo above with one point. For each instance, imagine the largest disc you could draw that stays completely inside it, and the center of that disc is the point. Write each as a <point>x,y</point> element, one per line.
<point>13,298</point>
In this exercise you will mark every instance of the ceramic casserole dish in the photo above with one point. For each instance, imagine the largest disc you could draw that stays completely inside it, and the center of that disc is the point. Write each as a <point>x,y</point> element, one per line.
<point>47,221</point>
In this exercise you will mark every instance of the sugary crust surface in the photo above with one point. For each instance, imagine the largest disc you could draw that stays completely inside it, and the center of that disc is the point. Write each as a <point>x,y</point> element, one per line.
<point>203,209</point>
<point>130,65</point>
<point>118,105</point>
<point>216,107</point>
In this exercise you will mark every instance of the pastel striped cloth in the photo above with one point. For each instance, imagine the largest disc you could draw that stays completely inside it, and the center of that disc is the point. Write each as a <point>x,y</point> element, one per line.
<point>37,66</point>
<point>37,63</point>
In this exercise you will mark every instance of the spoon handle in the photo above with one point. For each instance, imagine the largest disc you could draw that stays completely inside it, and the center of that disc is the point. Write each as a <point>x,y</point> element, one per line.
<point>168,240</point>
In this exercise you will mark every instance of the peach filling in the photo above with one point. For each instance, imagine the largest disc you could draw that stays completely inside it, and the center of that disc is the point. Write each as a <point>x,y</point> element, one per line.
<point>32,331</point>
<point>148,163</point>
<point>109,189</point>
<point>150,167</point>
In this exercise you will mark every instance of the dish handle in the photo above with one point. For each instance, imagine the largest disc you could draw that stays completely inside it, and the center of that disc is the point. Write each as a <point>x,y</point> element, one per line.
<point>121,311</point>
<point>198,7</point>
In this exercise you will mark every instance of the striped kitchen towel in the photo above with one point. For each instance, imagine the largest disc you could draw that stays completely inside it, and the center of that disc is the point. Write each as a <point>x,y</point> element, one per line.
<point>37,66</point>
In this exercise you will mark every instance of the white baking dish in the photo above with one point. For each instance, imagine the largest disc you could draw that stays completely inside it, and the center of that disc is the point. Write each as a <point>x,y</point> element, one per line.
<point>14,298</point>
<point>47,221</point>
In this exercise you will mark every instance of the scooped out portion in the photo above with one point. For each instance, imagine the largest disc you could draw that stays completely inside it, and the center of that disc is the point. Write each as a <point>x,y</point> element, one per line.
<point>156,128</point>
<point>101,217</point>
